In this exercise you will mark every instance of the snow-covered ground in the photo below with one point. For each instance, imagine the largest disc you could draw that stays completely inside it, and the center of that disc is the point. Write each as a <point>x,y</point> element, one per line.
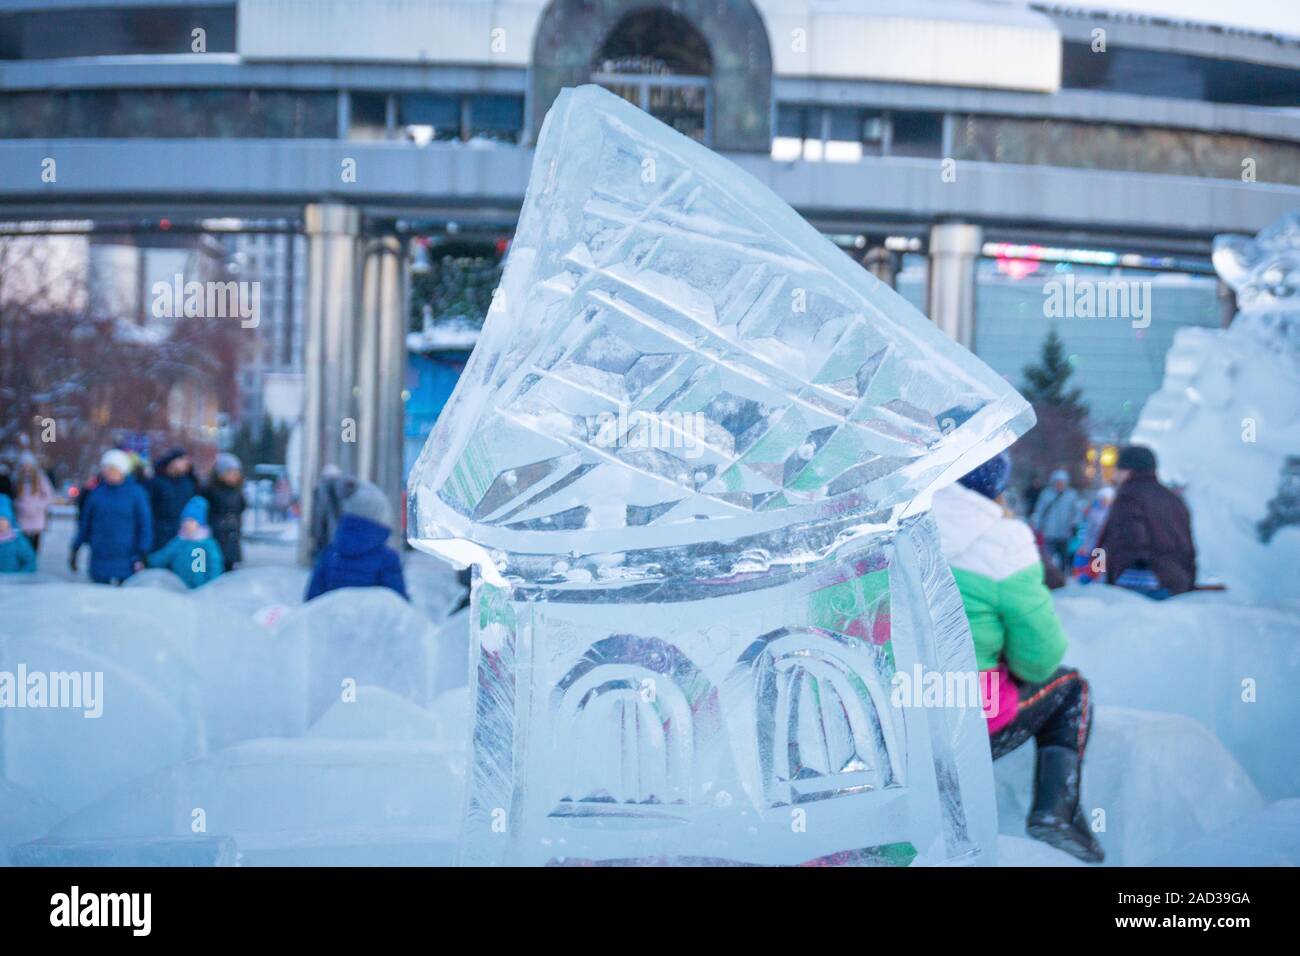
<point>244,726</point>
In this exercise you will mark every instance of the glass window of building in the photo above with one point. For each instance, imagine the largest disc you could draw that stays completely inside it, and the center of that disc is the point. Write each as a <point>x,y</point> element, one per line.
<point>367,115</point>
<point>657,60</point>
<point>429,117</point>
<point>916,134</point>
<point>1116,323</point>
<point>495,117</point>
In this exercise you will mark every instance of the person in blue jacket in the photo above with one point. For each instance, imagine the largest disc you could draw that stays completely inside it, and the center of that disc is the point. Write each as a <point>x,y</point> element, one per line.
<point>358,555</point>
<point>193,555</point>
<point>16,554</point>
<point>170,489</point>
<point>115,522</point>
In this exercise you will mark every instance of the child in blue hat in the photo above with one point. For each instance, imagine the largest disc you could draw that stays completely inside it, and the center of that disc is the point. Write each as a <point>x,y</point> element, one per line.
<point>193,555</point>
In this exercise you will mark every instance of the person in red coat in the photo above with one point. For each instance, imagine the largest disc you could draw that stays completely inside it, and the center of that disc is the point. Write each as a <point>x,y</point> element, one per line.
<point>1148,535</point>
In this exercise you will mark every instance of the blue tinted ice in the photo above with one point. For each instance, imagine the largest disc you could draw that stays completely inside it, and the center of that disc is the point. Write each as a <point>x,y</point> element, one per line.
<point>691,459</point>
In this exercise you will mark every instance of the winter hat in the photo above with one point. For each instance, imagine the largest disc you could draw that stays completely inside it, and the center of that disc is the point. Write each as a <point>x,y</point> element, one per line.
<point>1059,475</point>
<point>227,462</point>
<point>1137,458</point>
<point>6,508</point>
<point>116,458</point>
<point>196,508</point>
<point>369,502</point>
<point>989,479</point>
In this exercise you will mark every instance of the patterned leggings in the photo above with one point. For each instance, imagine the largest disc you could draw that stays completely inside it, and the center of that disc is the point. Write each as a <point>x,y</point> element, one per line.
<point>1056,712</point>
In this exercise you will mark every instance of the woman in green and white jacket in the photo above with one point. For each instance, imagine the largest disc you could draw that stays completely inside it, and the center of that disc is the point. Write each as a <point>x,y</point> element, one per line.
<point>1019,645</point>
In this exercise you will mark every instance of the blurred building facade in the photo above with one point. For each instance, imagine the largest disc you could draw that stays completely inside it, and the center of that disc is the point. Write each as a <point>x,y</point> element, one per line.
<point>973,152</point>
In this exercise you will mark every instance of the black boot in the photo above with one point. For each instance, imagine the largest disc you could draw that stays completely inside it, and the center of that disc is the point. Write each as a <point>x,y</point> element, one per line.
<point>1056,817</point>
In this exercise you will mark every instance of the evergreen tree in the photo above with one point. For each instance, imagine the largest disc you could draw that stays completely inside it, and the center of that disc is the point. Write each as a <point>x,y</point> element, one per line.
<point>1046,383</point>
<point>1060,439</point>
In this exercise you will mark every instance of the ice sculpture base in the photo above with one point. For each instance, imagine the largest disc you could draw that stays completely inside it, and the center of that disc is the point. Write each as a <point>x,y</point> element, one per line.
<point>751,719</point>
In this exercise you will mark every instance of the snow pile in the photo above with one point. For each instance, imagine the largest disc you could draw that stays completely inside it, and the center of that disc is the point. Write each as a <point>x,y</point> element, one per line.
<point>1270,837</point>
<point>1151,783</point>
<point>1226,422</point>
<point>1232,667</point>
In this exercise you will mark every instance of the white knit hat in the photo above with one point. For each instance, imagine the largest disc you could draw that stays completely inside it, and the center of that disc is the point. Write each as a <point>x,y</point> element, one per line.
<point>116,458</point>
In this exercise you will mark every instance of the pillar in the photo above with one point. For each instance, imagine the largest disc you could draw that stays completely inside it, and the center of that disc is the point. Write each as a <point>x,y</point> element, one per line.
<point>329,366</point>
<point>883,264</point>
<point>950,291</point>
<point>381,371</point>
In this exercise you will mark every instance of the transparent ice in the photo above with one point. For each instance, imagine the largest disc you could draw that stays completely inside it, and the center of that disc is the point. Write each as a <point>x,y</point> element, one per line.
<point>690,460</point>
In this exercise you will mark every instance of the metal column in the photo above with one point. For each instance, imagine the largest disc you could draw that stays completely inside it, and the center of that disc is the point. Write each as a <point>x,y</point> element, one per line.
<point>381,370</point>
<point>329,370</point>
<point>950,292</point>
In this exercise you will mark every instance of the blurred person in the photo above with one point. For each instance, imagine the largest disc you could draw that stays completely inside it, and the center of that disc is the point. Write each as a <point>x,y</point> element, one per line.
<point>1032,492</point>
<point>33,495</point>
<point>170,489</point>
<point>1019,646</point>
<point>1055,517</point>
<point>193,555</point>
<point>1147,539</point>
<point>359,556</point>
<point>331,490</point>
<point>281,498</point>
<point>16,554</point>
<point>1094,522</point>
<point>115,522</point>
<point>6,482</point>
<point>225,497</point>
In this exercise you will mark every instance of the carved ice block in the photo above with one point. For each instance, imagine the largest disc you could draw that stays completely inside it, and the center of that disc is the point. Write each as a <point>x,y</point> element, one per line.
<point>691,460</point>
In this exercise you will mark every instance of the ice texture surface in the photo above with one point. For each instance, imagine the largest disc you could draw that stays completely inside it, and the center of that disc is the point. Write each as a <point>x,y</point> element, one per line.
<point>1268,838</point>
<point>362,636</point>
<point>690,459</point>
<point>1197,655</point>
<point>1225,424</point>
<point>1159,781</point>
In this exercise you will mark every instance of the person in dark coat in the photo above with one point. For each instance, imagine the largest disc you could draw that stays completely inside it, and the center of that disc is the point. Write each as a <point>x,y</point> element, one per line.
<point>115,522</point>
<point>170,489</point>
<point>327,505</point>
<point>1148,535</point>
<point>226,504</point>
<point>359,556</point>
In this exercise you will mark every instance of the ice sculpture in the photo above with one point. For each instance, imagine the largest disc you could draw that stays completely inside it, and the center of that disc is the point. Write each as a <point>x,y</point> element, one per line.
<point>690,460</point>
<point>1225,424</point>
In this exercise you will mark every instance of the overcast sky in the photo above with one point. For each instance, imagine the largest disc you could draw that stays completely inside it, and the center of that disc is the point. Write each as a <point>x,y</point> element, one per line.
<point>1279,16</point>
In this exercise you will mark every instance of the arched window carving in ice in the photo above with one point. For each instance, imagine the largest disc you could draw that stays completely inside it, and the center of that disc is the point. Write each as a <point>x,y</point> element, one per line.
<point>627,715</point>
<point>690,459</point>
